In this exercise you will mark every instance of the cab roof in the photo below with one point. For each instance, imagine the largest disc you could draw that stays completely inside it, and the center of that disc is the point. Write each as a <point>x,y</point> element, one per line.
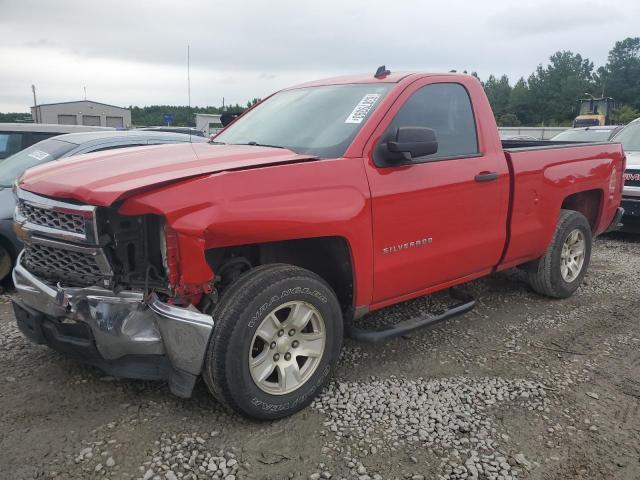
<point>393,77</point>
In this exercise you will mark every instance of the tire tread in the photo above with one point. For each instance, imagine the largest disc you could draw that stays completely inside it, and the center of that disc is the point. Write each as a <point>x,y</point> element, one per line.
<point>542,278</point>
<point>233,303</point>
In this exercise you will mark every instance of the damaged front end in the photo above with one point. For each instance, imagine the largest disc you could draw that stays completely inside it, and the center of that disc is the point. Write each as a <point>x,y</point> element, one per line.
<point>106,288</point>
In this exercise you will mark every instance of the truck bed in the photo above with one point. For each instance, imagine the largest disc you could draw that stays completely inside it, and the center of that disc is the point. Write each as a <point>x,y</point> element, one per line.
<point>517,145</point>
<point>548,176</point>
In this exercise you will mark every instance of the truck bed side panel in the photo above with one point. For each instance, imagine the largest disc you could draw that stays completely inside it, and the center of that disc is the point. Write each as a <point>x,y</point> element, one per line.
<point>544,178</point>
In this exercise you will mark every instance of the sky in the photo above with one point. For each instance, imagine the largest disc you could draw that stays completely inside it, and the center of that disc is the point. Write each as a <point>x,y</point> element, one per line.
<point>135,52</point>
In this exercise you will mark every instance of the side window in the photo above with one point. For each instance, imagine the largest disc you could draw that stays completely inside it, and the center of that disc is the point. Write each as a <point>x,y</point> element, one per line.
<point>445,108</point>
<point>40,136</point>
<point>10,143</point>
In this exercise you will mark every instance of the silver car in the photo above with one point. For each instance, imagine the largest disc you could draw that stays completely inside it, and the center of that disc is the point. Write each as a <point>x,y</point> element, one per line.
<point>18,136</point>
<point>629,136</point>
<point>57,148</point>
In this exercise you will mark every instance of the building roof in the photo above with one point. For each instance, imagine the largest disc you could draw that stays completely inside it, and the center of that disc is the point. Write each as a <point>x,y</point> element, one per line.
<point>80,101</point>
<point>209,114</point>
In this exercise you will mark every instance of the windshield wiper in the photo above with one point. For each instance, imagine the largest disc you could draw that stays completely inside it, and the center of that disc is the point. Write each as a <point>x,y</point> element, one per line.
<point>256,144</point>
<point>212,142</point>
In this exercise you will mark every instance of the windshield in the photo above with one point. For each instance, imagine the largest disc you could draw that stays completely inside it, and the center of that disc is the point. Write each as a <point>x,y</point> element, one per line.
<point>584,135</point>
<point>41,152</point>
<point>319,121</point>
<point>629,137</point>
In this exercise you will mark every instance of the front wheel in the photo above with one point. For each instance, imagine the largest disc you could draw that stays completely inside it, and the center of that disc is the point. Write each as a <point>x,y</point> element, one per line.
<point>562,268</point>
<point>277,336</point>
<point>6,263</point>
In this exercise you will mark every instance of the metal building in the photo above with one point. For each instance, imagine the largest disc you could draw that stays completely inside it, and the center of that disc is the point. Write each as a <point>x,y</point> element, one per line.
<point>82,112</point>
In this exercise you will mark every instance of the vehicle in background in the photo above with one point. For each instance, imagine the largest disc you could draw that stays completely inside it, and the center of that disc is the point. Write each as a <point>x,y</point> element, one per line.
<point>227,117</point>
<point>519,137</point>
<point>245,261</point>
<point>57,148</point>
<point>594,112</point>
<point>588,134</point>
<point>18,136</point>
<point>629,137</point>
<point>184,130</point>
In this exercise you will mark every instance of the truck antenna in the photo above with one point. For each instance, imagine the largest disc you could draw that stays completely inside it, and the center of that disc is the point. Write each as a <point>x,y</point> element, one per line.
<point>382,72</point>
<point>189,86</point>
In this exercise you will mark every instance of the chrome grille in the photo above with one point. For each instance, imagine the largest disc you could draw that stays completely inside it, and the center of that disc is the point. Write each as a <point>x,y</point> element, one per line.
<point>45,217</point>
<point>62,265</point>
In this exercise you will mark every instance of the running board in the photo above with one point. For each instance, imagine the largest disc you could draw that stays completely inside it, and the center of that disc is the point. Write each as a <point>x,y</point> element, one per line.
<point>466,303</point>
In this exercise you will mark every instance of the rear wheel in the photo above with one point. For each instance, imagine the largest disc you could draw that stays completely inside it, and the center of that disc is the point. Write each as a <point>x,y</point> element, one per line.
<point>562,268</point>
<point>277,336</point>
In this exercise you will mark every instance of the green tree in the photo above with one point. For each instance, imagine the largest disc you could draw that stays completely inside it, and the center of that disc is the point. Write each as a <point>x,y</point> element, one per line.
<point>498,92</point>
<point>520,102</point>
<point>554,89</point>
<point>508,120</point>
<point>620,77</point>
<point>15,117</point>
<point>624,114</point>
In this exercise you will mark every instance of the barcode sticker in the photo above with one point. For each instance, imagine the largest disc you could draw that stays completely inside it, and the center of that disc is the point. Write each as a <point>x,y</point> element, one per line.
<point>38,154</point>
<point>363,107</point>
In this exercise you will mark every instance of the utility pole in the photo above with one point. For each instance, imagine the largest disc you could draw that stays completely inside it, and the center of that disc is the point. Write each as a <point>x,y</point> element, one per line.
<point>35,102</point>
<point>223,104</point>
<point>85,92</point>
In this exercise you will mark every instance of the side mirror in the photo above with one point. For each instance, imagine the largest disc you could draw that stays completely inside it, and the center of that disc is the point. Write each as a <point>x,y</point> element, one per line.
<point>411,142</point>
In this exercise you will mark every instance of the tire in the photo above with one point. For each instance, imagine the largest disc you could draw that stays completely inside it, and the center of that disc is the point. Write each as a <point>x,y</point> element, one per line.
<point>6,264</point>
<point>245,332</point>
<point>550,274</point>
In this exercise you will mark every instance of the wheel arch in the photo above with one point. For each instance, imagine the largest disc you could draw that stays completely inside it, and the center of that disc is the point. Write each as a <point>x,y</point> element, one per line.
<point>588,202</point>
<point>328,257</point>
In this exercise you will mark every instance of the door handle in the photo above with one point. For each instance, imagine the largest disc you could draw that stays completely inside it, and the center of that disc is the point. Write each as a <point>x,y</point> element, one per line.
<point>486,177</point>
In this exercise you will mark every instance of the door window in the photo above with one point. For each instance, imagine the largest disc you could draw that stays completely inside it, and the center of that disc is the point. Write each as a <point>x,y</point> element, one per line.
<point>445,108</point>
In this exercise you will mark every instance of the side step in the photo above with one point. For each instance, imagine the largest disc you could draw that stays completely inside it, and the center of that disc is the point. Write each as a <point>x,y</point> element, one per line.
<point>465,303</point>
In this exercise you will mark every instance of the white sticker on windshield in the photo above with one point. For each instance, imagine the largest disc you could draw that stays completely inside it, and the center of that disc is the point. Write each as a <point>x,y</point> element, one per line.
<point>362,108</point>
<point>38,154</point>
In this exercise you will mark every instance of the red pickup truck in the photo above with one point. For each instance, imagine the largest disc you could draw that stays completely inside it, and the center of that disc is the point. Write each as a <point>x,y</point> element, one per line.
<point>246,260</point>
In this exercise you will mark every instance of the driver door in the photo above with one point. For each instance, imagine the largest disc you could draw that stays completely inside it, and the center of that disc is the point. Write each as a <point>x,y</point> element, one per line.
<point>441,217</point>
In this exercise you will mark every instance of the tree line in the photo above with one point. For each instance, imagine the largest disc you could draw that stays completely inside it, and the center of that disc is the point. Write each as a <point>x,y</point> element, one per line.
<point>546,98</point>
<point>183,115</point>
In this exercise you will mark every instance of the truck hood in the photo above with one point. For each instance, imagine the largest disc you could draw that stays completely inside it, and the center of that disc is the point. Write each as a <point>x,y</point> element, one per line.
<point>105,177</point>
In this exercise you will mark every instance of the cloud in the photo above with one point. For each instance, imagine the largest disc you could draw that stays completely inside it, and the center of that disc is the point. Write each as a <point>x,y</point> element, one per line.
<point>538,18</point>
<point>135,52</point>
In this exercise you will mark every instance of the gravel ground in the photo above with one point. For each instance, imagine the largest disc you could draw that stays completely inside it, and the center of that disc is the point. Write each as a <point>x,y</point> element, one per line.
<point>522,387</point>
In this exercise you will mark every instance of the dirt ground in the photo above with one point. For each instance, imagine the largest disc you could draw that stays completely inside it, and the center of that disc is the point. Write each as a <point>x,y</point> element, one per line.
<point>59,419</point>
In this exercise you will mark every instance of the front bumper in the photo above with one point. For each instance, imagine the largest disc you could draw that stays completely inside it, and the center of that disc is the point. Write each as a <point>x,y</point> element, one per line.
<point>121,333</point>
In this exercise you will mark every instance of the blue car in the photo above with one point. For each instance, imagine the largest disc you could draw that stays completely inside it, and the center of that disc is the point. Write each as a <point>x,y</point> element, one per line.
<point>58,148</point>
